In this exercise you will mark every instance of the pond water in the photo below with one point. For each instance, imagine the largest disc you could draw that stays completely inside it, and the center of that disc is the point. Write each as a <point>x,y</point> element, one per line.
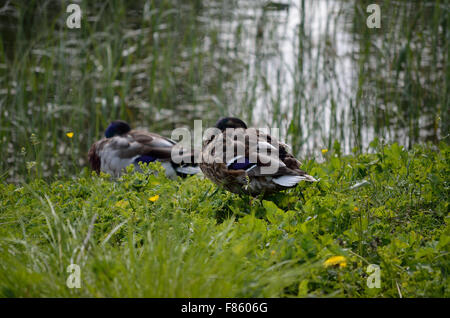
<point>314,69</point>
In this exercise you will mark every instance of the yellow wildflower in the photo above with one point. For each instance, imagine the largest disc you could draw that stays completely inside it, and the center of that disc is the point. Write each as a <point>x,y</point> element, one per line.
<point>69,134</point>
<point>336,260</point>
<point>154,198</point>
<point>355,209</point>
<point>324,151</point>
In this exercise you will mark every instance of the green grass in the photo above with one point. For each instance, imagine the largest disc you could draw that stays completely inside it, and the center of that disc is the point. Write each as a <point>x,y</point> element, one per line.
<point>389,207</point>
<point>161,64</point>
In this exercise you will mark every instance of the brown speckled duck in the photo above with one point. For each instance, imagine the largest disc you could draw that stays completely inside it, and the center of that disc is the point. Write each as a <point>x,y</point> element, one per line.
<point>122,147</point>
<point>256,163</point>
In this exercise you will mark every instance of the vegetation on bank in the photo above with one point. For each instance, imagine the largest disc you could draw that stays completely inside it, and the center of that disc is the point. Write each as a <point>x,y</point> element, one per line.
<point>148,236</point>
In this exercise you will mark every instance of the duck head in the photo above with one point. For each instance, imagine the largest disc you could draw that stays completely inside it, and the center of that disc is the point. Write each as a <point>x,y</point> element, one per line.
<point>230,122</point>
<point>117,127</point>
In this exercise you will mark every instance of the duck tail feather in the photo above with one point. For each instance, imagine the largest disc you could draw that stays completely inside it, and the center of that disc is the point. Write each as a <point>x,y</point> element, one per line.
<point>188,169</point>
<point>310,178</point>
<point>290,181</point>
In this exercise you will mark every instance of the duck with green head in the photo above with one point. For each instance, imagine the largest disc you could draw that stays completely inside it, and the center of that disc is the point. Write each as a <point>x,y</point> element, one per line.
<point>123,146</point>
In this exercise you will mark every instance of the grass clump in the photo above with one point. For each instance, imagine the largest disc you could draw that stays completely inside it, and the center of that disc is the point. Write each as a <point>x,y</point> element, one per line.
<point>148,236</point>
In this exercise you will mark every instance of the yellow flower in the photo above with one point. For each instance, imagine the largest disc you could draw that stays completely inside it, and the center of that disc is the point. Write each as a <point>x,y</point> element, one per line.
<point>69,134</point>
<point>336,260</point>
<point>154,198</point>
<point>355,209</point>
<point>272,252</point>
<point>122,204</point>
<point>324,151</point>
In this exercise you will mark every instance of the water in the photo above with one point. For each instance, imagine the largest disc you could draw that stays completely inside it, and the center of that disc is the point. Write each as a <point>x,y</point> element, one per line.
<point>310,67</point>
<point>275,58</point>
<point>305,70</point>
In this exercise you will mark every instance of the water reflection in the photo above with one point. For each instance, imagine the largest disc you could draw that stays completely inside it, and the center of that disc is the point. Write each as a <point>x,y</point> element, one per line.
<point>316,75</point>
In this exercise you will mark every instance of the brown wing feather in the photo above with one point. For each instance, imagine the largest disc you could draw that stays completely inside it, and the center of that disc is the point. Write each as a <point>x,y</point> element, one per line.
<point>292,164</point>
<point>149,138</point>
<point>149,144</point>
<point>252,135</point>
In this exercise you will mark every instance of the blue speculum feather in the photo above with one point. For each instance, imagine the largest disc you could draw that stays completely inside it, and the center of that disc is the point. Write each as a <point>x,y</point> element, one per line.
<point>241,165</point>
<point>144,159</point>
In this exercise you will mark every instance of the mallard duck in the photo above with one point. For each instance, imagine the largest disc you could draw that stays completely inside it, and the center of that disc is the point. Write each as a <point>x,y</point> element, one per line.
<point>255,163</point>
<point>122,147</point>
